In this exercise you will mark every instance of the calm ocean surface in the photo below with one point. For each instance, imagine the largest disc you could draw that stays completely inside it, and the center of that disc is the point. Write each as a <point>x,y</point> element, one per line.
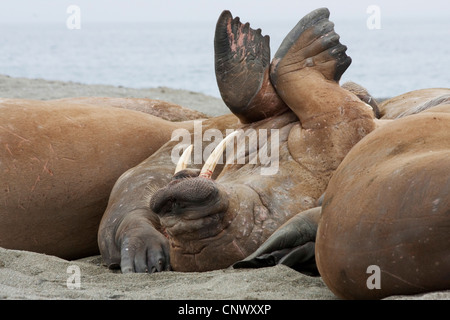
<point>400,57</point>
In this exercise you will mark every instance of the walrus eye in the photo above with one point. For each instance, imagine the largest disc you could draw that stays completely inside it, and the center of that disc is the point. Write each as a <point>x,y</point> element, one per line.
<point>211,162</point>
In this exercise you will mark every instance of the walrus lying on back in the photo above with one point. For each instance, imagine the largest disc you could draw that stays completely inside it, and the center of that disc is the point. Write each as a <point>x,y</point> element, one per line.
<point>197,220</point>
<point>302,124</point>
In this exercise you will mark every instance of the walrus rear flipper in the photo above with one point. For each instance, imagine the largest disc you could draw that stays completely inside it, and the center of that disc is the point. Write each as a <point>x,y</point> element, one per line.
<point>311,43</point>
<point>291,245</point>
<point>242,63</point>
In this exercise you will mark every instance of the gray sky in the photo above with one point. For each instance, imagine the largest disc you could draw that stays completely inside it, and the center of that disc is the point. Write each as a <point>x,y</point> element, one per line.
<point>23,11</point>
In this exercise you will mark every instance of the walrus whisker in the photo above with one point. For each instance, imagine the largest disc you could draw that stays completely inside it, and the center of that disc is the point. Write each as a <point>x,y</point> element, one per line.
<point>150,190</point>
<point>184,159</point>
<point>211,162</point>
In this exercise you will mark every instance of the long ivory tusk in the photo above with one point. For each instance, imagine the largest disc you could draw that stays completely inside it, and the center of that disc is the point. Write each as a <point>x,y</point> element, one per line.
<point>211,162</point>
<point>184,159</point>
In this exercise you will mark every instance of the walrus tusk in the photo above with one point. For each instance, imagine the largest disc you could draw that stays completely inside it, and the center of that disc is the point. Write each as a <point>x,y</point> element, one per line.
<point>184,159</point>
<point>211,162</point>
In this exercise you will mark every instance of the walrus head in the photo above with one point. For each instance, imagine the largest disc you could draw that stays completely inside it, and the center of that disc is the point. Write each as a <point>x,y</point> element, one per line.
<point>201,215</point>
<point>192,195</point>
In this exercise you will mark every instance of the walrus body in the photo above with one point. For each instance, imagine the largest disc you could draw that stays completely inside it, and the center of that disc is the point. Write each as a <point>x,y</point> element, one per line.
<point>413,102</point>
<point>158,108</point>
<point>388,205</point>
<point>58,165</point>
<point>302,120</point>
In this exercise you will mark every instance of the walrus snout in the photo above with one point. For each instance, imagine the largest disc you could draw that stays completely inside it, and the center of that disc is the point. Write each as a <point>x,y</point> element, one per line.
<point>190,208</point>
<point>180,194</point>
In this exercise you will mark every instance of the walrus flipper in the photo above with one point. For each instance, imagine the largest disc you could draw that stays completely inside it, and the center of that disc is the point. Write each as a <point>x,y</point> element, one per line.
<point>312,43</point>
<point>291,245</point>
<point>242,63</point>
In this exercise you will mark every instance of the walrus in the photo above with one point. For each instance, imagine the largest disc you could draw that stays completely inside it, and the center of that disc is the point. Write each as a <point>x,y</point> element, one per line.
<point>158,108</point>
<point>363,94</point>
<point>200,219</point>
<point>385,214</point>
<point>401,223</point>
<point>413,102</point>
<point>59,162</point>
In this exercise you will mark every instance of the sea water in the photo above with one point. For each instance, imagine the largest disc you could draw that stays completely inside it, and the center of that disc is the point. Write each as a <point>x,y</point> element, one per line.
<point>400,56</point>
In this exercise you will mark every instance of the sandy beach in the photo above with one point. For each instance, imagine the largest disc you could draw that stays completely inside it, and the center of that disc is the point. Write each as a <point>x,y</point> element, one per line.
<point>28,275</point>
<point>40,89</point>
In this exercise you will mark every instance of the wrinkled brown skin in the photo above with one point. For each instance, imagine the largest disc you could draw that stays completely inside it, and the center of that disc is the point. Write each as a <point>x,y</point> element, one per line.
<point>241,207</point>
<point>59,162</point>
<point>292,244</point>
<point>130,234</point>
<point>388,205</point>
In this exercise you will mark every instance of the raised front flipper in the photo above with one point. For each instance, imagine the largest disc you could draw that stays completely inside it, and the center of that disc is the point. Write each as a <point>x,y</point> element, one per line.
<point>293,245</point>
